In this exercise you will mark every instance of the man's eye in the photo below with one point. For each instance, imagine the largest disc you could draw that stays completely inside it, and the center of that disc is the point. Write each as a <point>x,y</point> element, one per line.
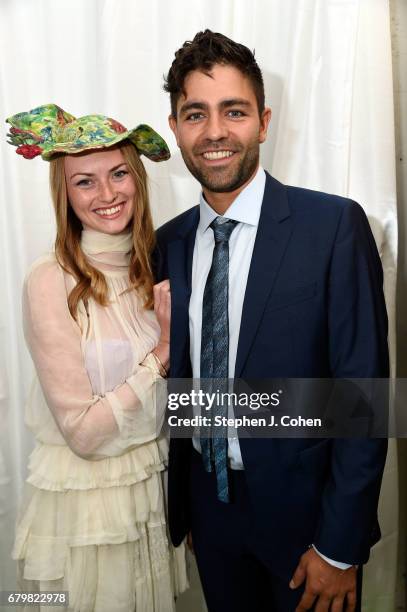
<point>194,117</point>
<point>235,113</point>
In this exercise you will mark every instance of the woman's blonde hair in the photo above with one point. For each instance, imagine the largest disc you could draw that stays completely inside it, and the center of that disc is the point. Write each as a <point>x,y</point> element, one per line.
<point>90,282</point>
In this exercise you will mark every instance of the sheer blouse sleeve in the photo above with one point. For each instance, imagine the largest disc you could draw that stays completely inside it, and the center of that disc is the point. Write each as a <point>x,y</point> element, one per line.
<point>93,426</point>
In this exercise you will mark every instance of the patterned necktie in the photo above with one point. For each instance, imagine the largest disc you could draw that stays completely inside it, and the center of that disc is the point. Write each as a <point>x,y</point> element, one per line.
<point>215,347</point>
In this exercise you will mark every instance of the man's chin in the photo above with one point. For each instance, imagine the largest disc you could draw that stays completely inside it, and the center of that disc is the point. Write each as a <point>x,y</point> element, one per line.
<point>222,186</point>
<point>218,182</point>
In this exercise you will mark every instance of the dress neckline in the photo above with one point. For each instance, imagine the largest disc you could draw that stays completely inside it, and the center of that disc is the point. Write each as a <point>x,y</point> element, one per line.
<point>107,252</point>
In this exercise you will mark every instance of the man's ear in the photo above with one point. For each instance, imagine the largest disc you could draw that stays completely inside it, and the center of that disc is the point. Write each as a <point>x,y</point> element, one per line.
<point>264,124</point>
<point>173,125</point>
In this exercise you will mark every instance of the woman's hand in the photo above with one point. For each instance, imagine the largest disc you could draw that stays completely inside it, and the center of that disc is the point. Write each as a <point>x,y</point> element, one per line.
<point>162,309</point>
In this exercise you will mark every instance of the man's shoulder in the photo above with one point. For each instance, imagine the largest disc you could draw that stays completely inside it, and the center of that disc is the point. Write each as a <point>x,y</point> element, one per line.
<point>304,202</point>
<point>171,229</point>
<point>308,199</point>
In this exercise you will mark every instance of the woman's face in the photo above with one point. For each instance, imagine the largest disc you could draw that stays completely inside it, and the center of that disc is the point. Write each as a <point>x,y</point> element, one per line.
<point>101,190</point>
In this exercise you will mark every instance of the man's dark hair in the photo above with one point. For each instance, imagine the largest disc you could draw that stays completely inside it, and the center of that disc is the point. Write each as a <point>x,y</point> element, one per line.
<point>202,53</point>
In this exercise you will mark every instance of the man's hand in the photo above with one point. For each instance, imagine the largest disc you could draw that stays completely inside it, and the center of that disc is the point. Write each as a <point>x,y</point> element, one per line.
<point>333,589</point>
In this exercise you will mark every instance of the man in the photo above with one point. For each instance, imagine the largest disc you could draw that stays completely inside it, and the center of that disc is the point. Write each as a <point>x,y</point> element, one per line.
<point>273,281</point>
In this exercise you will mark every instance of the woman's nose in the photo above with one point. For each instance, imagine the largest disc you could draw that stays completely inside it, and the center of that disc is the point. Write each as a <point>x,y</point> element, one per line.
<point>107,193</point>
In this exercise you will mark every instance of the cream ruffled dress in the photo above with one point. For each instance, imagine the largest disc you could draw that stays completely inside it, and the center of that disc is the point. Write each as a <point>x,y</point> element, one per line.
<point>93,522</point>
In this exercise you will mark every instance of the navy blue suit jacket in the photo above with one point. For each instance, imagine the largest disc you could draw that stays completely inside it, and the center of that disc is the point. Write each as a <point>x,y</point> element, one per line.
<point>313,307</point>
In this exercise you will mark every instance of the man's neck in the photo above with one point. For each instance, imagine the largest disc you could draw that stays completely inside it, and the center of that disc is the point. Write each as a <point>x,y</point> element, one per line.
<point>221,201</point>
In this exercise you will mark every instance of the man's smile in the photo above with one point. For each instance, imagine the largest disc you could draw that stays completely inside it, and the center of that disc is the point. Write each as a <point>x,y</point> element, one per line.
<point>212,155</point>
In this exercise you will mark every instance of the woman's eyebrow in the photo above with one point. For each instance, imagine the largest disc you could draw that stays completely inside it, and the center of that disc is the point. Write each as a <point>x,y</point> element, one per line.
<point>92,173</point>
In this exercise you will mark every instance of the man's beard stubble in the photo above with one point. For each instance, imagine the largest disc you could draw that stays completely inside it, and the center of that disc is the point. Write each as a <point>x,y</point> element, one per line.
<point>216,179</point>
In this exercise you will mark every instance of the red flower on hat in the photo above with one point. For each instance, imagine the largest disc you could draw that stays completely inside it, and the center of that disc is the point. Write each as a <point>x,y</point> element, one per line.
<point>29,151</point>
<point>116,126</point>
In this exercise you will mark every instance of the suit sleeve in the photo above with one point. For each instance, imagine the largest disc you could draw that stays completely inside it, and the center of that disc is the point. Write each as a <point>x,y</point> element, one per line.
<point>158,259</point>
<point>358,349</point>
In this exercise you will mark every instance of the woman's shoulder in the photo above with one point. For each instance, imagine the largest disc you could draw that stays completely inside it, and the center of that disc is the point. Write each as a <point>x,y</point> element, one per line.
<point>46,289</point>
<point>44,265</point>
<point>44,274</point>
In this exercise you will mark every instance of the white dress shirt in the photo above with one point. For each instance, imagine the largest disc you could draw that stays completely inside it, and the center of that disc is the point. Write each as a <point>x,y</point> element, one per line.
<point>246,210</point>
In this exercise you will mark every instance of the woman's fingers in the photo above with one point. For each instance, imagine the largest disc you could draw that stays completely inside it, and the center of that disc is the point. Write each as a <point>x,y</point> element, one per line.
<point>162,307</point>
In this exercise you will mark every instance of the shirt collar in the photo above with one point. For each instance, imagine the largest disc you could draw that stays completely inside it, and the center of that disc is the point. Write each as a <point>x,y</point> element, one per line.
<point>244,209</point>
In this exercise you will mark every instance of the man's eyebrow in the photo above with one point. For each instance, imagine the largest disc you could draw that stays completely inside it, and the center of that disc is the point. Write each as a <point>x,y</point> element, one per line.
<point>195,105</point>
<point>235,102</point>
<point>92,173</point>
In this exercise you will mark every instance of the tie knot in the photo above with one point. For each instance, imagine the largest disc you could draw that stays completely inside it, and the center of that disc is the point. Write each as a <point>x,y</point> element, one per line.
<point>222,228</point>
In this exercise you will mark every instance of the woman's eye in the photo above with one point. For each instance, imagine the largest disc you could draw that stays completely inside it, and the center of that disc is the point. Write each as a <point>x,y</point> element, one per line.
<point>120,173</point>
<point>83,183</point>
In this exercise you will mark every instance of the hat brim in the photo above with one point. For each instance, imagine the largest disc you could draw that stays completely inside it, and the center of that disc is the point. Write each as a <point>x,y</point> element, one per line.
<point>146,140</point>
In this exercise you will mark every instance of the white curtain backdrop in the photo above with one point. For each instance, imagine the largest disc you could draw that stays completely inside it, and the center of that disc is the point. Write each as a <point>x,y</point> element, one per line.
<point>328,77</point>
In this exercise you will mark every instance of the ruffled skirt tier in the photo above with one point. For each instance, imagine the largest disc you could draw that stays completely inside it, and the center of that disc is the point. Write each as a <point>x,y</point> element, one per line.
<point>97,529</point>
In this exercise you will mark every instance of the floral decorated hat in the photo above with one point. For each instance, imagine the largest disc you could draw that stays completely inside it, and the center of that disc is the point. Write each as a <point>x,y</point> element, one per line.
<point>48,130</point>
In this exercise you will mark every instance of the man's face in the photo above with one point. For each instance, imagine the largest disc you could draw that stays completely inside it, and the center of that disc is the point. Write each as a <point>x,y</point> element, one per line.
<point>218,128</point>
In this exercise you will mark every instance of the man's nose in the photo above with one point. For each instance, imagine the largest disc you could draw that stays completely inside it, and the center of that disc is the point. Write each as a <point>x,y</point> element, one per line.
<point>216,127</point>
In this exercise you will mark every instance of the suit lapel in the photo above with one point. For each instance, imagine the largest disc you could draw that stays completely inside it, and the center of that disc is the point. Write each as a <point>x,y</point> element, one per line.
<point>180,254</point>
<point>272,238</point>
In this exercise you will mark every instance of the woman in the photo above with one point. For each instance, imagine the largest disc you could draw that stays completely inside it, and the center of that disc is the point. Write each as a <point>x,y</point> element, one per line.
<point>94,522</point>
